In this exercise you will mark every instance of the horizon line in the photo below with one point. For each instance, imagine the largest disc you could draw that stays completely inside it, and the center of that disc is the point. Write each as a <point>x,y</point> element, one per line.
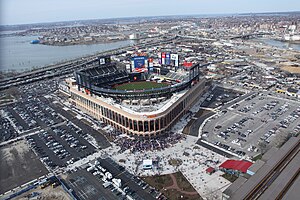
<point>149,16</point>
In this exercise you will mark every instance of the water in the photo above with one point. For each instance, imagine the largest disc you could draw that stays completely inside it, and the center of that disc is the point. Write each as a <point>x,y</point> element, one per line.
<point>280,44</point>
<point>17,54</point>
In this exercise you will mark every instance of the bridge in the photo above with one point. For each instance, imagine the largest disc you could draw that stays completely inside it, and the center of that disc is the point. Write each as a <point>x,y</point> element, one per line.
<point>250,35</point>
<point>195,37</point>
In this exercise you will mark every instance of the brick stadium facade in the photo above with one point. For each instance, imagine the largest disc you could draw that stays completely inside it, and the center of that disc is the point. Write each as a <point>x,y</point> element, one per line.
<point>133,123</point>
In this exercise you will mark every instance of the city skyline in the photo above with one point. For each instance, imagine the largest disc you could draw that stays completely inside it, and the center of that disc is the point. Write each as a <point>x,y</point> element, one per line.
<point>33,11</point>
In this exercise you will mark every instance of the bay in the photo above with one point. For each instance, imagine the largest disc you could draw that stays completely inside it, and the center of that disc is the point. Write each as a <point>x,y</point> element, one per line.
<point>281,44</point>
<point>17,54</point>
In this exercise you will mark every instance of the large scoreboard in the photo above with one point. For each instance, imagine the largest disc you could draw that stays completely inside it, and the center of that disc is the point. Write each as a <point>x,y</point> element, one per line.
<point>140,64</point>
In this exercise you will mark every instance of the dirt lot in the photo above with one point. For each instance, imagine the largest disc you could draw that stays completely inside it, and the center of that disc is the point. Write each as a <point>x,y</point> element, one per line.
<point>48,193</point>
<point>18,165</point>
<point>291,69</point>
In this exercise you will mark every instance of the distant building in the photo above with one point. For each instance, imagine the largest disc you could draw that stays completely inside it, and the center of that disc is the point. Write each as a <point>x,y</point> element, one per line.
<point>134,36</point>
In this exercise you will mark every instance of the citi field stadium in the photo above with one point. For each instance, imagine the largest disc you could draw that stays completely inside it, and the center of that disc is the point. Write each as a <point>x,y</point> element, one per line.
<point>140,102</point>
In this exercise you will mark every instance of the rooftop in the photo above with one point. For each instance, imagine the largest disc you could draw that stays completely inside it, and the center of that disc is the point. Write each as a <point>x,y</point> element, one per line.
<point>238,165</point>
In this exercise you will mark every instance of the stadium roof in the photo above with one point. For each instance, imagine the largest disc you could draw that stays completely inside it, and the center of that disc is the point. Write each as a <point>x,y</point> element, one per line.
<point>238,165</point>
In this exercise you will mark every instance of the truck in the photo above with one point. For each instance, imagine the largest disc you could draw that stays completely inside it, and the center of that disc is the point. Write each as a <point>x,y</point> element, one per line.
<point>117,182</point>
<point>106,184</point>
<point>108,175</point>
<point>90,168</point>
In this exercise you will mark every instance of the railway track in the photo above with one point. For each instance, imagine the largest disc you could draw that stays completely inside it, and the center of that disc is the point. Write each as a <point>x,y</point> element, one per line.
<point>274,173</point>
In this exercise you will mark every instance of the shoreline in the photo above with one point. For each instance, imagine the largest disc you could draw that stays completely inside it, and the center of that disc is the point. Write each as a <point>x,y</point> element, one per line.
<point>38,58</point>
<point>80,43</point>
<point>74,43</point>
<point>287,41</point>
<point>6,75</point>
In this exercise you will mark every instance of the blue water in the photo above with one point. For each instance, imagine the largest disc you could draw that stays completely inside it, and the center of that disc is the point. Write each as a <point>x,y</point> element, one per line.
<point>282,45</point>
<point>17,54</point>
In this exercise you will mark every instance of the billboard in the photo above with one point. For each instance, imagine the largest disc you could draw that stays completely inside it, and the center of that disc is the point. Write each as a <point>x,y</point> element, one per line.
<point>104,60</point>
<point>128,68</point>
<point>140,63</point>
<point>150,61</point>
<point>163,58</point>
<point>168,59</point>
<point>159,58</point>
<point>175,59</point>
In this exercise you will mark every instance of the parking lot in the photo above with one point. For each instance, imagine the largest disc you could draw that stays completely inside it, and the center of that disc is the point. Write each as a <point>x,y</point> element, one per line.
<point>61,145</point>
<point>86,186</point>
<point>49,132</point>
<point>92,182</point>
<point>18,166</point>
<point>219,96</point>
<point>258,119</point>
<point>71,116</point>
<point>26,116</point>
<point>7,130</point>
<point>59,141</point>
<point>138,189</point>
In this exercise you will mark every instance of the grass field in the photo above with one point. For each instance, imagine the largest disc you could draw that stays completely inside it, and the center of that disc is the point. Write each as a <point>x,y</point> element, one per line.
<point>159,182</point>
<point>230,177</point>
<point>140,85</point>
<point>165,184</point>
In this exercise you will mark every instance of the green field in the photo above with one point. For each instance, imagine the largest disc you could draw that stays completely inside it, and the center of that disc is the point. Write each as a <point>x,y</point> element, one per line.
<point>140,85</point>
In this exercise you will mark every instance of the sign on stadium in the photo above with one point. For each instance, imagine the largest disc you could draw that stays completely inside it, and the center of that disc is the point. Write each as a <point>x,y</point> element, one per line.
<point>104,60</point>
<point>140,64</point>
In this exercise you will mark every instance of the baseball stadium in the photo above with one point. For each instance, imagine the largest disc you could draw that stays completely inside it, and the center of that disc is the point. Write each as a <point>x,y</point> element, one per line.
<point>138,103</point>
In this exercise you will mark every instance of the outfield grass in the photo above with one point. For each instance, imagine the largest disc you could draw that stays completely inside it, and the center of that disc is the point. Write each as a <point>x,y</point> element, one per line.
<point>140,85</point>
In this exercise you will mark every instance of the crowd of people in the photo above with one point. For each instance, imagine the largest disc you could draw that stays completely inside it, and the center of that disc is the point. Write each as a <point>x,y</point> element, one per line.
<point>158,143</point>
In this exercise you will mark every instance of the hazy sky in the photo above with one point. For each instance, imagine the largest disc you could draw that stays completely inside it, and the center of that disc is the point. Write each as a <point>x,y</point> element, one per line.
<point>32,11</point>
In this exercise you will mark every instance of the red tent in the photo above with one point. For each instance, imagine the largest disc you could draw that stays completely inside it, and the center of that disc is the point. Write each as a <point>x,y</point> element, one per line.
<point>187,64</point>
<point>238,165</point>
<point>210,170</point>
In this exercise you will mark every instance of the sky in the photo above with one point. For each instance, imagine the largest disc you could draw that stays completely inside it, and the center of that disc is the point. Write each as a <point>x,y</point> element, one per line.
<point>36,11</point>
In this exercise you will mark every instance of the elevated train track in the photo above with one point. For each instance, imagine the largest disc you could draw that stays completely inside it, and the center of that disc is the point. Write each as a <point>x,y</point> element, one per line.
<point>261,187</point>
<point>275,178</point>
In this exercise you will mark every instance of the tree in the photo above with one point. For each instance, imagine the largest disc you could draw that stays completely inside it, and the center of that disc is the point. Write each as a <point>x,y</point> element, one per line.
<point>14,91</point>
<point>263,147</point>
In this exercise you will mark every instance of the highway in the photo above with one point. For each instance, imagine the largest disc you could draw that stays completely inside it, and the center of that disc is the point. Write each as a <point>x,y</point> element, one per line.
<point>54,70</point>
<point>69,67</point>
